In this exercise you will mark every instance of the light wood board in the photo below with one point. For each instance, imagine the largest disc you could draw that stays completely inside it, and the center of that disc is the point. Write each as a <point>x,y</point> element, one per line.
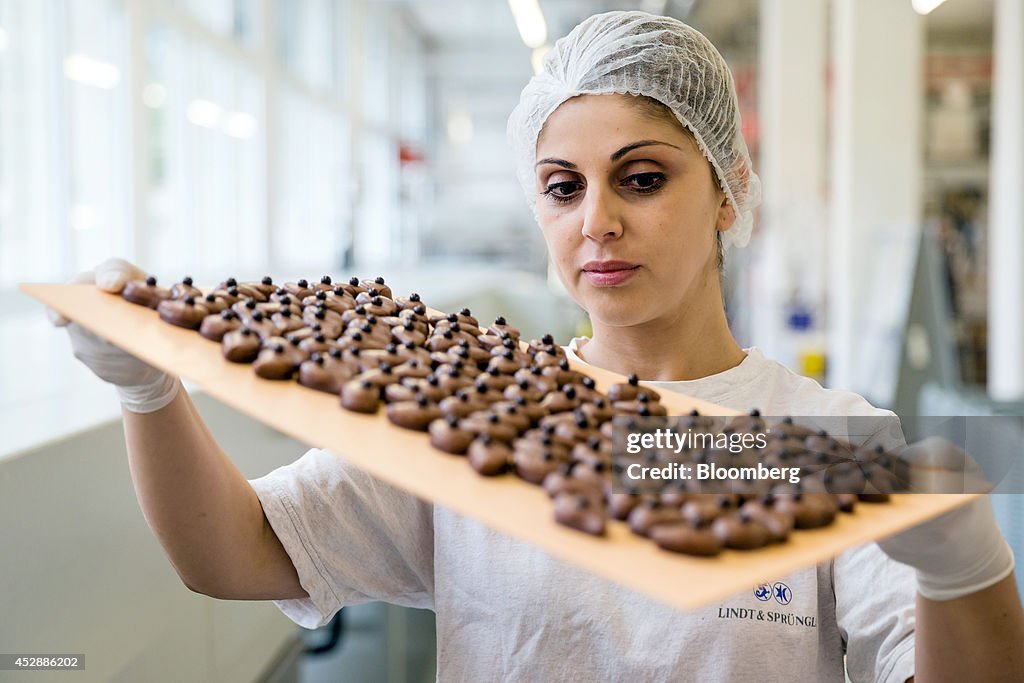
<point>405,459</point>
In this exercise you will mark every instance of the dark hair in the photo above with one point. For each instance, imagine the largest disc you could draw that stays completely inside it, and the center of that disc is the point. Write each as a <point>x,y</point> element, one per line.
<point>658,111</point>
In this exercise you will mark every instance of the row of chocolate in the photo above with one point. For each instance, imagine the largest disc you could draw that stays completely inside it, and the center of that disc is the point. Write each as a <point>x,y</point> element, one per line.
<point>507,405</point>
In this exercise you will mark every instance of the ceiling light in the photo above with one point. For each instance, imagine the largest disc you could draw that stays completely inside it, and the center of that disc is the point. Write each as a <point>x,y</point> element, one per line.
<point>925,6</point>
<point>537,58</point>
<point>239,124</point>
<point>154,95</point>
<point>90,71</point>
<point>530,22</point>
<point>204,113</point>
<point>460,128</point>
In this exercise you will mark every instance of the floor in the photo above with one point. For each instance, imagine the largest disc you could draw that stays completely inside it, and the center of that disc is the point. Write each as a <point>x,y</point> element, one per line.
<point>380,643</point>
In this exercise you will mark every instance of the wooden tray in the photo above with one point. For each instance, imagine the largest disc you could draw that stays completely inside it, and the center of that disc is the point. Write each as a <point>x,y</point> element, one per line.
<point>406,459</point>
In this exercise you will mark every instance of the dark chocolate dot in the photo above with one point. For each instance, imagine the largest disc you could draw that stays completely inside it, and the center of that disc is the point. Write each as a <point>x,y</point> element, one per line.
<point>547,339</point>
<point>267,280</point>
<point>335,353</point>
<point>754,412</point>
<point>466,312</point>
<point>354,281</point>
<point>447,334</point>
<point>187,280</point>
<point>233,291</point>
<point>633,379</point>
<point>422,400</point>
<point>245,331</point>
<point>452,420</point>
<point>286,312</point>
<point>302,283</point>
<point>325,280</point>
<point>250,304</point>
<point>420,309</point>
<point>492,418</point>
<point>694,413</point>
<point>317,358</point>
<point>339,291</point>
<point>320,314</point>
<point>231,282</point>
<point>563,364</point>
<point>279,348</point>
<point>373,294</point>
<point>589,382</point>
<point>210,297</point>
<point>151,281</point>
<point>379,280</point>
<point>321,295</point>
<point>500,320</point>
<point>414,297</point>
<point>569,391</point>
<point>227,314</point>
<point>190,301</point>
<point>360,310</point>
<point>356,336</point>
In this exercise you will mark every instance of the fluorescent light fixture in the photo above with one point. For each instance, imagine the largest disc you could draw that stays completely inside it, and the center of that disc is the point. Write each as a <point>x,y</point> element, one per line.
<point>83,217</point>
<point>925,6</point>
<point>239,124</point>
<point>204,113</point>
<point>537,58</point>
<point>154,95</point>
<point>4,39</point>
<point>460,128</point>
<point>530,22</point>
<point>91,71</point>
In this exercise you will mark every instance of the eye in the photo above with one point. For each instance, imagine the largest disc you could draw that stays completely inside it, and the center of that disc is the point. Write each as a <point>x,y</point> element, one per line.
<point>645,182</point>
<point>562,192</point>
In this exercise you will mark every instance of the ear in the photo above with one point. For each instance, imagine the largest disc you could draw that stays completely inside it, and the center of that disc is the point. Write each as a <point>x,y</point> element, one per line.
<point>726,214</point>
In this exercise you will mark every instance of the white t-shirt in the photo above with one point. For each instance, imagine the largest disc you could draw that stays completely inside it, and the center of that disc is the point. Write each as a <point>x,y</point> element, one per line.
<point>507,611</point>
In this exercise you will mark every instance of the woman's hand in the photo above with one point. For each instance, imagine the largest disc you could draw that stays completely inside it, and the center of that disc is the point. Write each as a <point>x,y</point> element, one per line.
<point>963,551</point>
<point>142,388</point>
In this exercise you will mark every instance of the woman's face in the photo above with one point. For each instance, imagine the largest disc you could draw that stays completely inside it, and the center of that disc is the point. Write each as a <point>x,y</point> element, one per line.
<point>629,208</point>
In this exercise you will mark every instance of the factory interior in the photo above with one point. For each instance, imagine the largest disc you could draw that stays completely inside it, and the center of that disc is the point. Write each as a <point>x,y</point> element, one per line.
<point>368,137</point>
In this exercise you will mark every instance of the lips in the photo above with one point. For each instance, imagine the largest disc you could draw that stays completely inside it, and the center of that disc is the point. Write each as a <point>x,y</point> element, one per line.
<point>609,273</point>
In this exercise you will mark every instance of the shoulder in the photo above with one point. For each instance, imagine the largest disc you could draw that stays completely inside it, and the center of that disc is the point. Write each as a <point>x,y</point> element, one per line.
<point>775,389</point>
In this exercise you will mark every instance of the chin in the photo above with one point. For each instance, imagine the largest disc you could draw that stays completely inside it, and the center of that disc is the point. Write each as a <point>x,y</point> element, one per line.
<point>617,311</point>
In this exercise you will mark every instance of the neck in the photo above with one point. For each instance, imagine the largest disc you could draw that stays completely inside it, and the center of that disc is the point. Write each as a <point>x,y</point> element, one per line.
<point>691,343</point>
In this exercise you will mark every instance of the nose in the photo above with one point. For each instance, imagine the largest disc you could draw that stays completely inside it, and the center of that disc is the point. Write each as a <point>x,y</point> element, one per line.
<point>601,219</point>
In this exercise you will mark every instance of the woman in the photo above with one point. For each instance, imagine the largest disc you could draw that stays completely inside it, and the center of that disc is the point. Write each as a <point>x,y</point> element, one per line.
<point>630,151</point>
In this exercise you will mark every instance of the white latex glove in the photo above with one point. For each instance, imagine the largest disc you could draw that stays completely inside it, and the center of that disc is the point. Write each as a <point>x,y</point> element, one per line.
<point>141,387</point>
<point>962,551</point>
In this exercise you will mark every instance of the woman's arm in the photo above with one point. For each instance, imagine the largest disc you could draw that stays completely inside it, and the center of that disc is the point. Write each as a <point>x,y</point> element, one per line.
<point>978,638</point>
<point>203,510</point>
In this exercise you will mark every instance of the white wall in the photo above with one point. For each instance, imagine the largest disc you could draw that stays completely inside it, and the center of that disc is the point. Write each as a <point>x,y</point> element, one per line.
<point>82,573</point>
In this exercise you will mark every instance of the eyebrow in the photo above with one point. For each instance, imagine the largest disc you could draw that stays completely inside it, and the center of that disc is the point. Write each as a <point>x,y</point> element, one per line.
<point>614,157</point>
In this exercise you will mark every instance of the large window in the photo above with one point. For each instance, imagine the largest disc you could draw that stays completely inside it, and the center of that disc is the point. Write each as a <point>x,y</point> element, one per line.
<point>202,136</point>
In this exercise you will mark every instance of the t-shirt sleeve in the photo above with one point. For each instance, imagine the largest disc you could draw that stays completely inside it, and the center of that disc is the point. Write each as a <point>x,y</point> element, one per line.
<point>875,599</point>
<point>351,537</point>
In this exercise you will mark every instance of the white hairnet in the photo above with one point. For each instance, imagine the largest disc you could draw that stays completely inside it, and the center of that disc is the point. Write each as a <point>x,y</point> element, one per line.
<point>641,54</point>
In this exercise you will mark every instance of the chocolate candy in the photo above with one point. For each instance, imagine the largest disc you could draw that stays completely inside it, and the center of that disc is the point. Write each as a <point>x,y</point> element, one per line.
<point>145,292</point>
<point>687,537</point>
